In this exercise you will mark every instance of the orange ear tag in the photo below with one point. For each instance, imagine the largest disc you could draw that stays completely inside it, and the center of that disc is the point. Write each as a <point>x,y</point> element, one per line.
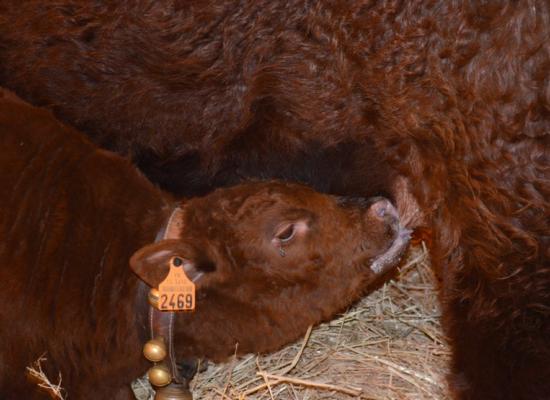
<point>177,291</point>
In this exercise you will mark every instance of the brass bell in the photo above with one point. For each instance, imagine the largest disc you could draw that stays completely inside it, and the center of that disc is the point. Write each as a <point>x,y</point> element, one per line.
<point>155,349</point>
<point>154,297</point>
<point>159,375</point>
<point>173,391</point>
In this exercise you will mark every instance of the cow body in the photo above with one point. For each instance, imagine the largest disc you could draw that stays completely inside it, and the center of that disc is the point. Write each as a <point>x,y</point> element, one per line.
<point>71,296</point>
<point>451,96</point>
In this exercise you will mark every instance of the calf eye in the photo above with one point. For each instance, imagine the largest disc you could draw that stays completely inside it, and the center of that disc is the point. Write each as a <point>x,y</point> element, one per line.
<point>285,233</point>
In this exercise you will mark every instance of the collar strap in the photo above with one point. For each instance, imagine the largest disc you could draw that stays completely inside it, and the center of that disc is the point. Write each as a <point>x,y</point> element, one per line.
<point>160,349</point>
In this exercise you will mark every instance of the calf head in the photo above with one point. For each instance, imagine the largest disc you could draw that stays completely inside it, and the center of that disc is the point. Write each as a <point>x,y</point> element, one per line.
<point>269,259</point>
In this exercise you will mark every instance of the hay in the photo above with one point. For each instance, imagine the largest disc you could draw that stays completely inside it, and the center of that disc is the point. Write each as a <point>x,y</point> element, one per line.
<point>389,346</point>
<point>37,375</point>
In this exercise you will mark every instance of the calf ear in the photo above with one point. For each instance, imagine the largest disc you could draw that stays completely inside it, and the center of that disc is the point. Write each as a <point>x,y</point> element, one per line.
<point>151,263</point>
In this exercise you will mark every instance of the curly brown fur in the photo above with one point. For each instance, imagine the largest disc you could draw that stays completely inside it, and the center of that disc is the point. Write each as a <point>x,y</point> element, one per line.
<point>452,95</point>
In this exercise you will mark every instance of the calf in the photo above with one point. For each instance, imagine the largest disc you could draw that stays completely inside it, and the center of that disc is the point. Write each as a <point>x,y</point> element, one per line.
<point>454,96</point>
<point>268,259</point>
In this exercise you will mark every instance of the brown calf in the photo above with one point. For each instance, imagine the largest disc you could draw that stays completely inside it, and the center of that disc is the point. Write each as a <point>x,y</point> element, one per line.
<point>268,260</point>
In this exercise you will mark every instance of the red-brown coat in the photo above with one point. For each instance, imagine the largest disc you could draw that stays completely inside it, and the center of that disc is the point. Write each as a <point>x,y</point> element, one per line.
<point>268,260</point>
<point>453,95</point>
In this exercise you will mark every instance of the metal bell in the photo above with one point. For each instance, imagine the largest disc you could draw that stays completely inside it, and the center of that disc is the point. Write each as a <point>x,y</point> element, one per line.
<point>155,349</point>
<point>173,391</point>
<point>159,375</point>
<point>154,297</point>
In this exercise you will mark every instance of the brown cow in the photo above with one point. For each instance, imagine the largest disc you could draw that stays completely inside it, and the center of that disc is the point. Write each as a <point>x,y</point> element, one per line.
<point>452,95</point>
<point>268,259</point>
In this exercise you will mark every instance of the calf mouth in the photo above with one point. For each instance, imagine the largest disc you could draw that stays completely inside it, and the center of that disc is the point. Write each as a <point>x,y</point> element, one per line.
<point>392,256</point>
<point>387,260</point>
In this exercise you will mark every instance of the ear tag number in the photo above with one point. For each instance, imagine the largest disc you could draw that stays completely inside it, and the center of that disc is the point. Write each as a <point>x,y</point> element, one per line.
<point>177,291</point>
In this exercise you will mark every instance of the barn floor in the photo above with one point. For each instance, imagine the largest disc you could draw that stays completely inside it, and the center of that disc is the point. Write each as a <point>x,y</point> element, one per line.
<point>389,346</point>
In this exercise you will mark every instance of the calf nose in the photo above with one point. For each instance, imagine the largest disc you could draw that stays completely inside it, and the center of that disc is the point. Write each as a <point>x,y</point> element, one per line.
<point>384,210</point>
